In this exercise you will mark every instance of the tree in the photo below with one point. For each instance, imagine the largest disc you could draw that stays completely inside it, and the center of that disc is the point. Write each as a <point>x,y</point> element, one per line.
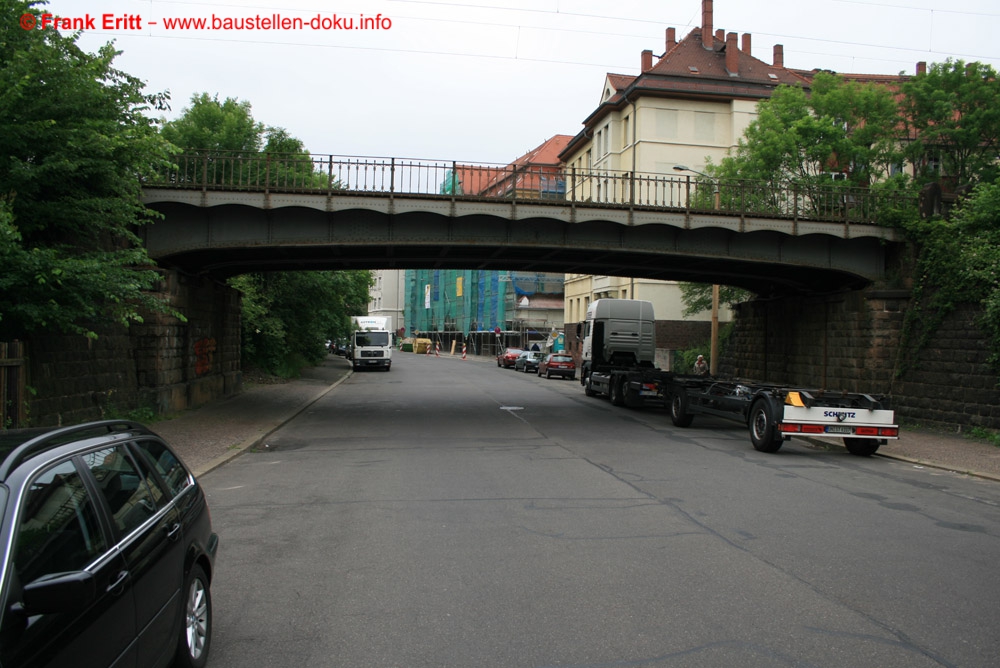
<point>286,317</point>
<point>75,144</point>
<point>697,297</point>
<point>958,263</point>
<point>954,121</point>
<point>839,135</point>
<point>237,149</point>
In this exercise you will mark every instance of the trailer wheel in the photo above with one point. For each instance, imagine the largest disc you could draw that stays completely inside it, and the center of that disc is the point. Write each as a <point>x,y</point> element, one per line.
<point>632,398</point>
<point>679,410</point>
<point>615,391</point>
<point>862,447</point>
<point>763,431</point>
<point>588,387</point>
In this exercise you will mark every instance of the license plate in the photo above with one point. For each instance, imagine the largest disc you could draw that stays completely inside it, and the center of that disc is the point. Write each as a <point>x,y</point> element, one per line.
<point>839,430</point>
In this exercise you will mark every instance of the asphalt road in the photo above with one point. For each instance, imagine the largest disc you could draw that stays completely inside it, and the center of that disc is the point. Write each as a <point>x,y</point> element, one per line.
<point>454,514</point>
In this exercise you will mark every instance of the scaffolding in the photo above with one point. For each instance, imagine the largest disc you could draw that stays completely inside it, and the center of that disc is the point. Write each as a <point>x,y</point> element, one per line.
<point>482,309</point>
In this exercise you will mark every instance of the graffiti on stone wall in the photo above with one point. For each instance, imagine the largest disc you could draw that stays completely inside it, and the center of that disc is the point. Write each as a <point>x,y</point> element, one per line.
<point>204,350</point>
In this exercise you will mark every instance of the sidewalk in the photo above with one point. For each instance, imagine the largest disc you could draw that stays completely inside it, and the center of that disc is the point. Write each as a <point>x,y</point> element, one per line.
<point>208,437</point>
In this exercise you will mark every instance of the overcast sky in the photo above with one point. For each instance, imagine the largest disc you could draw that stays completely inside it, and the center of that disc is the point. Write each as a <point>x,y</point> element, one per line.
<point>488,80</point>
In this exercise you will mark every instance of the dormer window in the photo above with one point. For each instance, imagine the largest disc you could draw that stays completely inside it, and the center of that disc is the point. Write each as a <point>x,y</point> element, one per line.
<point>694,70</point>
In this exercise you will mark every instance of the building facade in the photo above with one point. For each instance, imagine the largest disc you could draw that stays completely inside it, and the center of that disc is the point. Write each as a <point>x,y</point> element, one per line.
<point>387,296</point>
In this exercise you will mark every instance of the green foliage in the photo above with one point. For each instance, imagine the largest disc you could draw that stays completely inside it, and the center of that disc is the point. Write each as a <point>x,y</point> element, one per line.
<point>840,128</point>
<point>697,297</point>
<point>240,150</point>
<point>958,263</point>
<point>75,143</point>
<point>953,115</point>
<point>845,127</point>
<point>287,317</point>
<point>988,435</point>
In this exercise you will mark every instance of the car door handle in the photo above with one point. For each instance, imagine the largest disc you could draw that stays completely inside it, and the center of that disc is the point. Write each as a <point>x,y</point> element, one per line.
<point>174,532</point>
<point>122,577</point>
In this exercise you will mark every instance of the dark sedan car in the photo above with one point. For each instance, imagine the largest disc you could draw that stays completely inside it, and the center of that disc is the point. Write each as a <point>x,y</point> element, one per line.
<point>107,551</point>
<point>557,364</point>
<point>528,361</point>
<point>508,357</point>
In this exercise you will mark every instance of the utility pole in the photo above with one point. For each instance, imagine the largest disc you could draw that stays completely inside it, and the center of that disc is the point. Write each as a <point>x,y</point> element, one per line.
<point>713,362</point>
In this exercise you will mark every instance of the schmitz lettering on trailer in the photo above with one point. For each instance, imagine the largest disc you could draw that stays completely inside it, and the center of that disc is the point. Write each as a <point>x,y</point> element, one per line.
<point>840,415</point>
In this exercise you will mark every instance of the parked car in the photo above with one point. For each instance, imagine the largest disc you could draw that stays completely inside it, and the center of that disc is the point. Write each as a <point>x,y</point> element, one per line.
<point>507,358</point>
<point>107,550</point>
<point>528,361</point>
<point>557,364</point>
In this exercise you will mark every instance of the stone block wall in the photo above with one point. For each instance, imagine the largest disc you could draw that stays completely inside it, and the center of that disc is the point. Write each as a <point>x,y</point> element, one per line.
<point>164,364</point>
<point>851,342</point>
<point>950,382</point>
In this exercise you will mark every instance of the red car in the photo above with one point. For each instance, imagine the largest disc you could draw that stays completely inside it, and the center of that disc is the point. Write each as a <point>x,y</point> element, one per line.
<point>507,358</point>
<point>557,364</point>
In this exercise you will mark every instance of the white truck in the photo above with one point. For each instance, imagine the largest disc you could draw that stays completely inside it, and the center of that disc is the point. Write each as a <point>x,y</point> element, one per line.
<point>371,342</point>
<point>619,348</point>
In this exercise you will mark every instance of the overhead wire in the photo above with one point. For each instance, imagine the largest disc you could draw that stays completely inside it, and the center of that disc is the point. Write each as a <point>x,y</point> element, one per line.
<point>517,27</point>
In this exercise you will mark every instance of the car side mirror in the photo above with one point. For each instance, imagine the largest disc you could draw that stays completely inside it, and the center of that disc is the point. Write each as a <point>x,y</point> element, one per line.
<point>62,592</point>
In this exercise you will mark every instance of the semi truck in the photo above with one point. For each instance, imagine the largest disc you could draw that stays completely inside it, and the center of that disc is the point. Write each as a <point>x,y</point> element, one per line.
<point>618,360</point>
<point>371,342</point>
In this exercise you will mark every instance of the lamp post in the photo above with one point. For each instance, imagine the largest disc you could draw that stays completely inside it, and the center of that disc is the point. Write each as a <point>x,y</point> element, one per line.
<point>713,365</point>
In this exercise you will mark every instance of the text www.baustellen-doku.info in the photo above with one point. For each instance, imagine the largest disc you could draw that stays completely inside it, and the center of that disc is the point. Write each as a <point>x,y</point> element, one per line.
<point>255,22</point>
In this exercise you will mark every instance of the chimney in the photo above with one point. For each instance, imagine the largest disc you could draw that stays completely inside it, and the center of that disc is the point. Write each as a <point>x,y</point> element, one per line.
<point>706,23</point>
<point>671,38</point>
<point>746,43</point>
<point>720,35</point>
<point>647,60</point>
<point>922,67</point>
<point>732,55</point>
<point>779,55</point>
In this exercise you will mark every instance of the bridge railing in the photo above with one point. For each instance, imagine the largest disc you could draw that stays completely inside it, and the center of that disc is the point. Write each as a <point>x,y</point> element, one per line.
<point>332,174</point>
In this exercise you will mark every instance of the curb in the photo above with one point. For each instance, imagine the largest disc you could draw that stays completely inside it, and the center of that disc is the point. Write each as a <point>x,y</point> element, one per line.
<point>914,461</point>
<point>942,467</point>
<point>253,441</point>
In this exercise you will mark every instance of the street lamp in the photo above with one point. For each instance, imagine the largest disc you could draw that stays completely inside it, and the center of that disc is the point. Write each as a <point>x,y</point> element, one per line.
<point>715,182</point>
<point>713,366</point>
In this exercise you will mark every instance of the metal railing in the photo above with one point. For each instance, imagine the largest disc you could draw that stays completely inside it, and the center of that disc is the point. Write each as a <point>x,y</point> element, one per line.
<point>339,175</point>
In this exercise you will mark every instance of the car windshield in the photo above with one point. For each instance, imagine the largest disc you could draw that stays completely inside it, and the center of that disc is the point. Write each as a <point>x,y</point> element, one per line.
<point>371,339</point>
<point>561,358</point>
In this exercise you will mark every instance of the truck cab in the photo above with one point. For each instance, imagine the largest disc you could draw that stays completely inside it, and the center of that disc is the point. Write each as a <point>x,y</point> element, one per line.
<point>617,333</point>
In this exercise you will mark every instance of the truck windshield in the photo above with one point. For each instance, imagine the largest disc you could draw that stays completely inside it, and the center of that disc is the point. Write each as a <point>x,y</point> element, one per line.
<point>363,339</point>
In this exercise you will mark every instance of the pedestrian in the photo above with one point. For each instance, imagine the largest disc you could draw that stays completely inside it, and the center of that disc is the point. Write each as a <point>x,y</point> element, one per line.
<point>701,366</point>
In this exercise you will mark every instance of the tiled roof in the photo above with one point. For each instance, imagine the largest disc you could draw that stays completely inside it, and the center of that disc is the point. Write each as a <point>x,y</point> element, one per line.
<point>542,161</point>
<point>690,59</point>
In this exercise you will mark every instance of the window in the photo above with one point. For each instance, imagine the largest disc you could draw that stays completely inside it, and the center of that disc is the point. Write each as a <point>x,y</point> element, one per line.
<point>626,138</point>
<point>704,126</point>
<point>126,490</point>
<point>59,531</point>
<point>666,123</point>
<point>167,465</point>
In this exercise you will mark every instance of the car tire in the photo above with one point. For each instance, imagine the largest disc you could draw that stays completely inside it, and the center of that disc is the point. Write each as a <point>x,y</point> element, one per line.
<point>615,391</point>
<point>764,432</point>
<point>196,626</point>
<point>548,375</point>
<point>678,410</point>
<point>862,447</point>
